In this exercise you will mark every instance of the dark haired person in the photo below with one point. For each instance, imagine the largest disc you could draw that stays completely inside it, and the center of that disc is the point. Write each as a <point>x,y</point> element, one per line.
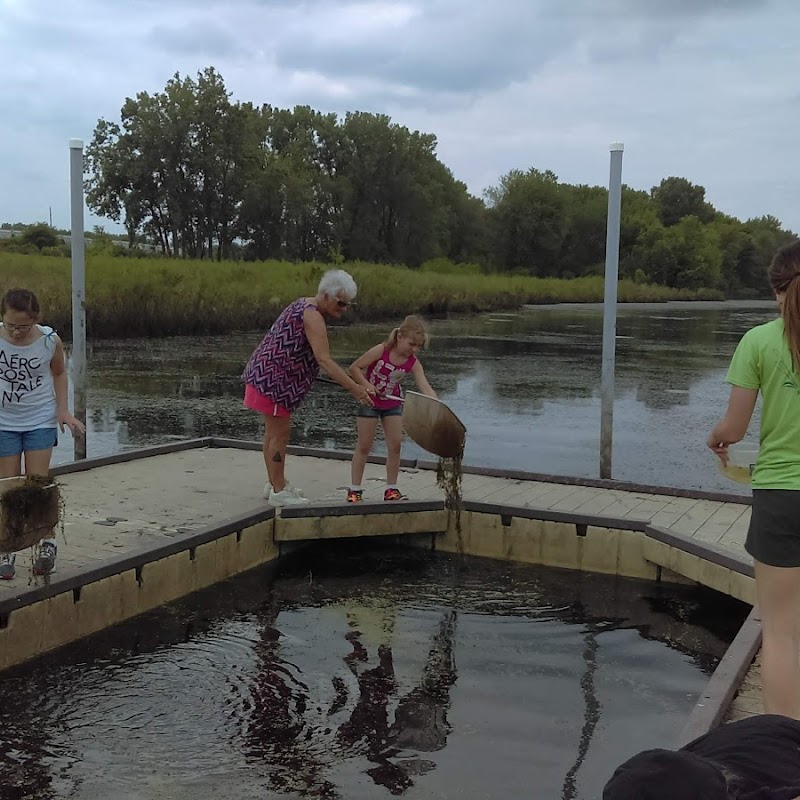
<point>757,758</point>
<point>33,404</point>
<point>767,361</point>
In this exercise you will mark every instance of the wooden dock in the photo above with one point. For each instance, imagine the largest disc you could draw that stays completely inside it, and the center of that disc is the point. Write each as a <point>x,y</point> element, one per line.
<point>121,507</point>
<point>129,504</point>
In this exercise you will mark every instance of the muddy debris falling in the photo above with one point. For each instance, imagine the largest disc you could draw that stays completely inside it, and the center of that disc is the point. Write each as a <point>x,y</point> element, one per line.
<point>448,479</point>
<point>28,512</point>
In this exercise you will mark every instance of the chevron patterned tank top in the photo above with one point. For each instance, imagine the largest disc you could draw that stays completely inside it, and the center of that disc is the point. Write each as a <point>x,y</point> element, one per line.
<point>283,366</point>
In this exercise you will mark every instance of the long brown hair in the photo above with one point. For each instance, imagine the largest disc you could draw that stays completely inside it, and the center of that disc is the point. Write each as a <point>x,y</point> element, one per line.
<point>783,272</point>
<point>413,326</point>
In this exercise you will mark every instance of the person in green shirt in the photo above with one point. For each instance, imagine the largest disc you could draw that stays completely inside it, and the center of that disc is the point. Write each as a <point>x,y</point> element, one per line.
<point>767,360</point>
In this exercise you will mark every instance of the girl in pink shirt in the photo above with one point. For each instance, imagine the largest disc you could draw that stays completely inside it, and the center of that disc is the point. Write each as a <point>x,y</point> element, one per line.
<point>381,369</point>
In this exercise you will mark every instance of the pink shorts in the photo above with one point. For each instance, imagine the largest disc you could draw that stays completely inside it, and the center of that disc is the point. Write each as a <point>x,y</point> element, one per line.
<point>258,402</point>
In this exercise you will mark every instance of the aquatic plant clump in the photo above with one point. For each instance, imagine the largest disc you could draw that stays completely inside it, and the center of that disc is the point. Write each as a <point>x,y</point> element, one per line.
<point>28,512</point>
<point>448,479</point>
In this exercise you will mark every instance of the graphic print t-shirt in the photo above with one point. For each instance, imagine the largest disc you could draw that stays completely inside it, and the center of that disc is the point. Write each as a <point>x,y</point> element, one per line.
<point>27,394</point>
<point>386,377</point>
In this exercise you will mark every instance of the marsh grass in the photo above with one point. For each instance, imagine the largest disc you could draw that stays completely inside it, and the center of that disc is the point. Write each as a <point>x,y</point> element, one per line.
<point>164,297</point>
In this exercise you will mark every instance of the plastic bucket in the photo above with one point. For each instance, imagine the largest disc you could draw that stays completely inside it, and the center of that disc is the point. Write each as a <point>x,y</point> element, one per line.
<point>741,461</point>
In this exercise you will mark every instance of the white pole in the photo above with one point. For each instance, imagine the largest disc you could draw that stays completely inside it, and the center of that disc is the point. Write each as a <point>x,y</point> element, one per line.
<point>610,309</point>
<point>78,291</point>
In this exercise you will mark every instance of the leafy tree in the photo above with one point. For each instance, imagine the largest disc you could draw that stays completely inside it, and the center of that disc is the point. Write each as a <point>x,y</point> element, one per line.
<point>676,198</point>
<point>686,255</point>
<point>174,165</point>
<point>638,215</point>
<point>584,242</point>
<point>698,252</point>
<point>469,229</point>
<point>528,221</point>
<point>40,236</point>
<point>198,175</point>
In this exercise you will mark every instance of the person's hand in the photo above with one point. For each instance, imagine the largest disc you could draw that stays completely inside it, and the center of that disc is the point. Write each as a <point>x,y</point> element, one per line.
<point>364,395</point>
<point>66,420</point>
<point>720,449</point>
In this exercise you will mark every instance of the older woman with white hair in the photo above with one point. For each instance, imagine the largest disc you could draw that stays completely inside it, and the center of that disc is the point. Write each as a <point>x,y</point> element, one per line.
<point>282,370</point>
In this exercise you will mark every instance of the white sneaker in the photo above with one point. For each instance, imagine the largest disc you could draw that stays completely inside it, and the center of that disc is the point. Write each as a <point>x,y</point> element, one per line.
<point>286,497</point>
<point>292,489</point>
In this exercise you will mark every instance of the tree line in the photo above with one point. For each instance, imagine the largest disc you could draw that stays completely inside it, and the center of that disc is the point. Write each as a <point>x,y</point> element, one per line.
<point>199,176</point>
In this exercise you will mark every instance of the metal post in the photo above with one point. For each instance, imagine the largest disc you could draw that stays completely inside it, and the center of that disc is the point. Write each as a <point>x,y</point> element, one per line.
<point>610,309</point>
<point>78,291</point>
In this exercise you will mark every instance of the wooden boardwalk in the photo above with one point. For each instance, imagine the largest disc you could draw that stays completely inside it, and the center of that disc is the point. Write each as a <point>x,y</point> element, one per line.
<point>114,509</point>
<point>120,508</point>
<point>747,702</point>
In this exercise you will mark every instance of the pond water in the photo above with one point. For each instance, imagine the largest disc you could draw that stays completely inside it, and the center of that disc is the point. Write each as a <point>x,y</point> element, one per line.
<point>526,384</point>
<point>368,673</point>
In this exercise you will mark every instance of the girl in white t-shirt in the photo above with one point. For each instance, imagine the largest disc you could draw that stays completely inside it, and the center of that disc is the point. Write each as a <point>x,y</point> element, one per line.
<point>33,403</point>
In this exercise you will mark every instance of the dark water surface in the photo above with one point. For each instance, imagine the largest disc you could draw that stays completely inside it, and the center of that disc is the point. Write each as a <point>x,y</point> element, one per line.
<point>360,674</point>
<point>526,384</point>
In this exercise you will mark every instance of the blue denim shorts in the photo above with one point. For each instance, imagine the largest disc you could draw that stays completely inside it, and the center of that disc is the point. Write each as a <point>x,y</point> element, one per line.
<point>13,443</point>
<point>380,413</point>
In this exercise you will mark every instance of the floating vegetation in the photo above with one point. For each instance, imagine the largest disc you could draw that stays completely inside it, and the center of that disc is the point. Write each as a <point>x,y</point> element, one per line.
<point>29,510</point>
<point>448,479</point>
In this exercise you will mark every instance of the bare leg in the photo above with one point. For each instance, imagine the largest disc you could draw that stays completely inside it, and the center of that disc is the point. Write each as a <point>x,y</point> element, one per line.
<point>10,466</point>
<point>265,445</point>
<point>393,433</point>
<point>276,439</point>
<point>778,592</point>
<point>37,462</point>
<point>366,427</point>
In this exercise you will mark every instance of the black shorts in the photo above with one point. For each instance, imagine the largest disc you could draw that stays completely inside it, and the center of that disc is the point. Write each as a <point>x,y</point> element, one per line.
<point>774,534</point>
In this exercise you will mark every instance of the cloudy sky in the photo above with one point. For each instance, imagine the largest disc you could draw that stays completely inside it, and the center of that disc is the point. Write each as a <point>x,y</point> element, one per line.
<point>705,89</point>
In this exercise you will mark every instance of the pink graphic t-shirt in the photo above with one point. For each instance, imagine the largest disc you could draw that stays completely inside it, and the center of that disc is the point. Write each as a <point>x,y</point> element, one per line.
<point>386,377</point>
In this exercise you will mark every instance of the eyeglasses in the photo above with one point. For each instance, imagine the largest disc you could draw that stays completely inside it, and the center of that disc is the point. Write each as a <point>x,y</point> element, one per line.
<point>344,303</point>
<point>21,328</point>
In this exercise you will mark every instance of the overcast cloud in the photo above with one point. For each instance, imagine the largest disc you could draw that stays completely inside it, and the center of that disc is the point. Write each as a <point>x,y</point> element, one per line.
<point>705,89</point>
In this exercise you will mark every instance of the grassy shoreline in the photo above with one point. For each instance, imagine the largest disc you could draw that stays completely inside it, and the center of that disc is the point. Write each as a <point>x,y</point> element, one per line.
<point>128,297</point>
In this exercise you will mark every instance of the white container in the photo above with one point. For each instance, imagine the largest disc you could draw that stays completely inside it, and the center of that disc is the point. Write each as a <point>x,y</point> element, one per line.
<point>741,462</point>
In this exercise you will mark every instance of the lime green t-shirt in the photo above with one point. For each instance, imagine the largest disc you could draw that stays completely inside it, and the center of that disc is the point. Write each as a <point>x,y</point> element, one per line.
<point>763,361</point>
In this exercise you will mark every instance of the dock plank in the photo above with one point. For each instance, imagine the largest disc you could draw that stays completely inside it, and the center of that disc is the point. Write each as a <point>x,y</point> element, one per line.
<point>696,516</point>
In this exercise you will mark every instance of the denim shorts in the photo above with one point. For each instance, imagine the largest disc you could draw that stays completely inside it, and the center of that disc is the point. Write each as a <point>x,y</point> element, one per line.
<point>379,413</point>
<point>14,443</point>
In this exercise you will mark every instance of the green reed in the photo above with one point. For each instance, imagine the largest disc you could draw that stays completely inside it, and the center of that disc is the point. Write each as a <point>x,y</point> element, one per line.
<point>163,297</point>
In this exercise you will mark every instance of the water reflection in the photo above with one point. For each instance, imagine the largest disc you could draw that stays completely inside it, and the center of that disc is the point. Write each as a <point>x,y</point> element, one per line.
<point>527,385</point>
<point>287,727</point>
<point>591,713</point>
<point>367,674</point>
